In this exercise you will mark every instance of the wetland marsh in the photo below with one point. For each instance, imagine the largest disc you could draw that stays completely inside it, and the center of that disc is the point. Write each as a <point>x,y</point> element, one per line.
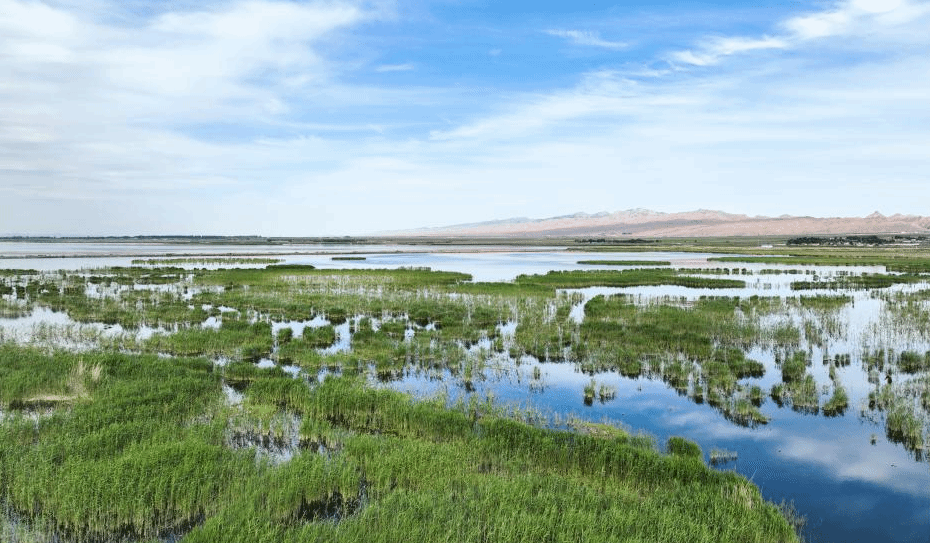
<point>505,396</point>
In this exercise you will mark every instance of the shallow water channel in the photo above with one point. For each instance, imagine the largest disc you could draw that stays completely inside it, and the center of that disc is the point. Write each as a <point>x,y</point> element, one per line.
<point>850,480</point>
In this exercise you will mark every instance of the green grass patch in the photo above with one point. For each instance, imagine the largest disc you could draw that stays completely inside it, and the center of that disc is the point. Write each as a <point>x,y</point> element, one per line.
<point>891,261</point>
<point>624,278</point>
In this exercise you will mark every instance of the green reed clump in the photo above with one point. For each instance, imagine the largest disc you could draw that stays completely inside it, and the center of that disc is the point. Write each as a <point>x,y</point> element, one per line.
<point>703,343</point>
<point>394,329</point>
<point>30,374</point>
<point>824,302</point>
<point>386,351</point>
<point>875,359</point>
<point>590,390</point>
<point>319,337</point>
<point>507,290</point>
<point>301,353</point>
<point>803,395</point>
<point>739,365</point>
<point>17,272</point>
<point>624,278</point>
<point>905,408</point>
<point>284,335</point>
<point>235,338</point>
<point>271,275</point>
<point>682,447</point>
<point>744,412</point>
<point>865,281</point>
<point>545,329</point>
<point>290,267</point>
<point>242,373</point>
<point>891,261</point>
<point>129,307</point>
<point>124,461</point>
<point>794,367</point>
<point>756,395</point>
<point>913,362</point>
<point>658,331</point>
<point>903,425</point>
<point>838,402</point>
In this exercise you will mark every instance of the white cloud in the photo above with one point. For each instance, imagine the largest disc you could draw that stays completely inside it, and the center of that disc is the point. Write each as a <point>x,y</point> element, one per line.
<point>777,136</point>
<point>715,49</point>
<point>850,17</point>
<point>95,106</point>
<point>589,38</point>
<point>237,60</point>
<point>856,17</point>
<point>406,67</point>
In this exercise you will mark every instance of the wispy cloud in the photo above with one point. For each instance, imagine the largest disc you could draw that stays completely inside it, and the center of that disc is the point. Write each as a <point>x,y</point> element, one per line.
<point>855,17</point>
<point>585,37</point>
<point>714,49</point>
<point>87,99</point>
<point>406,67</point>
<point>845,18</point>
<point>769,118</point>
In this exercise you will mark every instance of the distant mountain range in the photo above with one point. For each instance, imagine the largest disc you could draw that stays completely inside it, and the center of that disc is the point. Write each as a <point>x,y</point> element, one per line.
<point>699,223</point>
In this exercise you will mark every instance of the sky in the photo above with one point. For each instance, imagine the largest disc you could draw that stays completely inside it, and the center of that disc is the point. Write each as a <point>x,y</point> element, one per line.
<point>346,117</point>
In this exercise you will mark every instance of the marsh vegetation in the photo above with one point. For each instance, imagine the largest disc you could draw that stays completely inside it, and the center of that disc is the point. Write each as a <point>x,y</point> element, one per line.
<point>251,404</point>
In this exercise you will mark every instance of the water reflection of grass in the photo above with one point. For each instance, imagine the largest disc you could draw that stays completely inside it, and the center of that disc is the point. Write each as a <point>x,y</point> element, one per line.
<point>906,413</point>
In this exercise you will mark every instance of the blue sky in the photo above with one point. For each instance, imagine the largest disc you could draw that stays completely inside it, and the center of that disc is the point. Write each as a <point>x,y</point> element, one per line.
<point>347,117</point>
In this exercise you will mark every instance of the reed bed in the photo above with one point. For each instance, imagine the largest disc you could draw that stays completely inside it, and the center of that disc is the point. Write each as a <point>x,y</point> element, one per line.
<point>357,460</point>
<point>480,473</point>
<point>625,278</point>
<point>145,451</point>
<point>888,259</point>
<point>866,281</point>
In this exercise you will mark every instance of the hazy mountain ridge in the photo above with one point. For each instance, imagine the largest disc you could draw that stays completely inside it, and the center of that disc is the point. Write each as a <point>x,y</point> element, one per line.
<point>698,223</point>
